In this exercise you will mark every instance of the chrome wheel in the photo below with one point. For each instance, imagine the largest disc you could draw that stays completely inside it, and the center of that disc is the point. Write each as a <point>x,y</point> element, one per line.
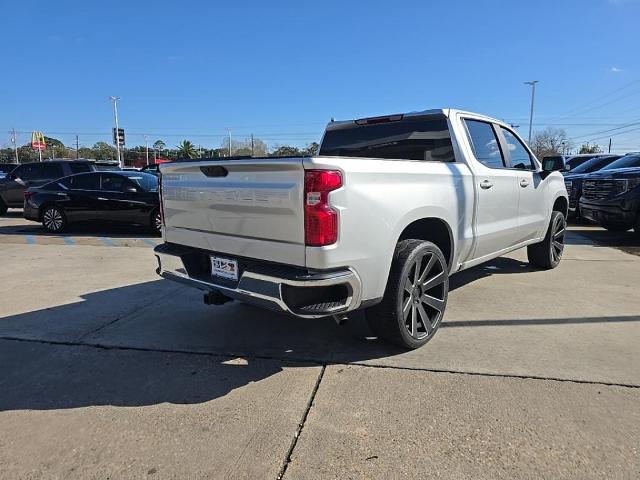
<point>52,219</point>
<point>424,296</point>
<point>557,238</point>
<point>157,221</point>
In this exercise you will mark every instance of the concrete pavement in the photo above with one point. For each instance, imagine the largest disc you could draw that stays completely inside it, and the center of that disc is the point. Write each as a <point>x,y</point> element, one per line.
<point>108,371</point>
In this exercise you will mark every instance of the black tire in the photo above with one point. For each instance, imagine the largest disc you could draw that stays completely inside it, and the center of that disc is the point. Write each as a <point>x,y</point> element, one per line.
<point>54,219</point>
<point>636,227</point>
<point>615,227</point>
<point>412,295</point>
<point>548,253</point>
<point>3,207</point>
<point>156,222</point>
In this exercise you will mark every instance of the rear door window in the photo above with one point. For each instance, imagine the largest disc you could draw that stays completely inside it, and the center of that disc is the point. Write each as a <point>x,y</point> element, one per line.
<point>485,143</point>
<point>87,181</point>
<point>115,183</point>
<point>40,171</point>
<point>79,167</point>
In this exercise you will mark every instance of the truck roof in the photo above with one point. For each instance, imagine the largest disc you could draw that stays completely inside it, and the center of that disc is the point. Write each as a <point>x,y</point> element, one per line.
<point>447,112</point>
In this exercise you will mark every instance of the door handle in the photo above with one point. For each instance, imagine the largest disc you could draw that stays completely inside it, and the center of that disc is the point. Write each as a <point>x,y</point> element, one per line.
<point>486,184</point>
<point>524,183</point>
<point>102,198</point>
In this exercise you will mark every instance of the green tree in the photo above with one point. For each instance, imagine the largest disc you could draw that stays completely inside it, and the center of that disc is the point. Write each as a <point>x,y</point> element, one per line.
<point>104,151</point>
<point>159,145</point>
<point>312,149</point>
<point>285,151</point>
<point>586,148</point>
<point>187,149</point>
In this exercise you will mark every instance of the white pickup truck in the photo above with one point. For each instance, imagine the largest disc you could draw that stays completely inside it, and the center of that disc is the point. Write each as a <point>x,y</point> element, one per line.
<point>378,220</point>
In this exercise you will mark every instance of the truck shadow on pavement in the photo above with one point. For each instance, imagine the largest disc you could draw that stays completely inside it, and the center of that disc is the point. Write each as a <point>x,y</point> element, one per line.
<point>111,349</point>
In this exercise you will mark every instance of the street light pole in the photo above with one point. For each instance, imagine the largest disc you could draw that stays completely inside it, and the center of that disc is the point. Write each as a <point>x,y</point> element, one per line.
<point>115,99</point>
<point>533,96</point>
<point>146,145</point>
<point>14,140</point>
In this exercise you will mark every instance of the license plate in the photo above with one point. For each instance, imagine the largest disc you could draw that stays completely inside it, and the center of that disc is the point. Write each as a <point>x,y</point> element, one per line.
<point>224,268</point>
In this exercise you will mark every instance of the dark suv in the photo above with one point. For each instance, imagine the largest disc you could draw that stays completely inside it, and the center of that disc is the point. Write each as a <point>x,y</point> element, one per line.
<point>35,174</point>
<point>612,199</point>
<point>573,179</point>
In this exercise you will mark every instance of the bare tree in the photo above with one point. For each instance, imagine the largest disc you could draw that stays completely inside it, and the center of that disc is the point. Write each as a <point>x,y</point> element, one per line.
<point>550,141</point>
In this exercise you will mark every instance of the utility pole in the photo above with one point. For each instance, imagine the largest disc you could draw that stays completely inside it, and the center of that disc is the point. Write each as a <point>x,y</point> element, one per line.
<point>14,140</point>
<point>252,154</point>
<point>146,146</point>
<point>609,144</point>
<point>77,147</point>
<point>533,96</point>
<point>115,99</point>
<point>229,131</point>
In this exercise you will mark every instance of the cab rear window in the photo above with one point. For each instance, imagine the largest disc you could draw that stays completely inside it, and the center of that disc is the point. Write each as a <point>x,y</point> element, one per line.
<point>424,138</point>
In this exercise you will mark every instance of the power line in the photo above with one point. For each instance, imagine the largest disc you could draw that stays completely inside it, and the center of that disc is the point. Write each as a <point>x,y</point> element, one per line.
<point>600,105</point>
<point>568,112</point>
<point>632,124</point>
<point>614,134</point>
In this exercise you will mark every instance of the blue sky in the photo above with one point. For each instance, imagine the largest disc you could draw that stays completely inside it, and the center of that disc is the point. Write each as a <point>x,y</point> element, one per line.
<point>281,69</point>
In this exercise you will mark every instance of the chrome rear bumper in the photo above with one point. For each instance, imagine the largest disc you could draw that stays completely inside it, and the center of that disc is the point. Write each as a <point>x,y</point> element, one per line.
<point>302,295</point>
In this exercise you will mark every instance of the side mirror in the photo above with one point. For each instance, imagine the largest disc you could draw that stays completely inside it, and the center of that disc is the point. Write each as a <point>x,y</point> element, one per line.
<point>553,164</point>
<point>130,190</point>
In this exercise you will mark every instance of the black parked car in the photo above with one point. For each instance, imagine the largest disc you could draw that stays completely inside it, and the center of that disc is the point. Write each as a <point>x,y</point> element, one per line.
<point>612,199</point>
<point>573,179</point>
<point>574,161</point>
<point>119,197</point>
<point>33,175</point>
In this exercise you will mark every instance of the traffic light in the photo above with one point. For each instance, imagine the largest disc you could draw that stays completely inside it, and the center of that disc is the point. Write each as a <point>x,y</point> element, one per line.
<point>118,138</point>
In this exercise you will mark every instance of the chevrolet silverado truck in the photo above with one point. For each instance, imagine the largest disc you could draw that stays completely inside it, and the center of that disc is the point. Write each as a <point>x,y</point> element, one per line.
<point>389,208</point>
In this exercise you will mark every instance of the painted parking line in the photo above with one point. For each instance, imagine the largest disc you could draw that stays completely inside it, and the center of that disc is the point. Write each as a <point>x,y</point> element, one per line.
<point>68,241</point>
<point>151,243</point>
<point>107,241</point>
<point>30,239</point>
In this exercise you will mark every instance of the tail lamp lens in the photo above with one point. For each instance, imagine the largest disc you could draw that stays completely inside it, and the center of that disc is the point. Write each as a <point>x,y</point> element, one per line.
<point>320,220</point>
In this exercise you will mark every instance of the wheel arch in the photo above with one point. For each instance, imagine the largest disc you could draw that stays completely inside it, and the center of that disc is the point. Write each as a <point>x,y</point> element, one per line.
<point>432,229</point>
<point>561,204</point>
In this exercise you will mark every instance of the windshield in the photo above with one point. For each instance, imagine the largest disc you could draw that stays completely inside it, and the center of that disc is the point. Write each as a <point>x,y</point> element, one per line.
<point>594,164</point>
<point>146,181</point>
<point>416,138</point>
<point>624,162</point>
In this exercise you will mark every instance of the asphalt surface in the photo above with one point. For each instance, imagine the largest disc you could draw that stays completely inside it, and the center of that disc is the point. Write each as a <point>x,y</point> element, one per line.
<point>109,372</point>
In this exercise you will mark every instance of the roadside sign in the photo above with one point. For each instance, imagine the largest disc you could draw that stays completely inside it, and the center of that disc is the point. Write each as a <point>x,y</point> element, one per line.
<point>37,141</point>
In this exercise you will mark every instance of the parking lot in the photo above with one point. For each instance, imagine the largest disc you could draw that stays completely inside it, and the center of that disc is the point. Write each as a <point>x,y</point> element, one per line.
<point>108,371</point>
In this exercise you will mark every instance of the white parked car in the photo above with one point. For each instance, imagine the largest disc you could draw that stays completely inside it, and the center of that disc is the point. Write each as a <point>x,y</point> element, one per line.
<point>378,220</point>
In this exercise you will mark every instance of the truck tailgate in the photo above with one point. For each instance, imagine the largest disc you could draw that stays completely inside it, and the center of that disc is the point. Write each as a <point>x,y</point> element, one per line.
<point>251,208</point>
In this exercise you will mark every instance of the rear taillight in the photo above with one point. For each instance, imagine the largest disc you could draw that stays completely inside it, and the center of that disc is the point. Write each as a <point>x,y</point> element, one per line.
<point>27,194</point>
<point>320,220</point>
<point>160,195</point>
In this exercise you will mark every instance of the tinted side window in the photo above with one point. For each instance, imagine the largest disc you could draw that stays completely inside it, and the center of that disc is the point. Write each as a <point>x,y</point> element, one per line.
<point>88,181</point>
<point>114,183</point>
<point>519,155</point>
<point>484,143</point>
<point>45,171</point>
<point>79,167</point>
